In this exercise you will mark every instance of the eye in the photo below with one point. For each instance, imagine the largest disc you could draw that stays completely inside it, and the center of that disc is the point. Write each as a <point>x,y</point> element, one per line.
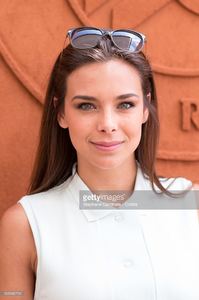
<point>126,105</point>
<point>86,106</point>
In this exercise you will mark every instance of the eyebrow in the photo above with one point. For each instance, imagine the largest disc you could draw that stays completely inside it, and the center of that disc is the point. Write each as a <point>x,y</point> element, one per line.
<point>90,98</point>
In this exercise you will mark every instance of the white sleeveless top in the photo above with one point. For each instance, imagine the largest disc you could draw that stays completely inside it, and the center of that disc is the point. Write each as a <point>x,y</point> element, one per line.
<point>99,254</point>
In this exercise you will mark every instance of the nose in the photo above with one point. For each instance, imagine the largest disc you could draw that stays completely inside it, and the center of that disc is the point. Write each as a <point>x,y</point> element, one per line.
<point>107,122</point>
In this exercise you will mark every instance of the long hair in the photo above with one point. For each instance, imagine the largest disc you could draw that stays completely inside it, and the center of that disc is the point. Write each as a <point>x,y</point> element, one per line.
<point>55,154</point>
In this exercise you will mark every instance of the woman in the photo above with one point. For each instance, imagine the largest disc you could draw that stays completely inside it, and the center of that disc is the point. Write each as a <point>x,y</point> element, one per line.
<point>99,135</point>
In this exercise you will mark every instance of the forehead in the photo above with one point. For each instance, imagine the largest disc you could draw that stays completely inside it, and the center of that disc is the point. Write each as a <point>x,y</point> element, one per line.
<point>114,75</point>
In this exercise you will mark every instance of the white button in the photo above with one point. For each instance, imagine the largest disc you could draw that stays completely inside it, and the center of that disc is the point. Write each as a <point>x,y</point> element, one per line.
<point>118,217</point>
<point>127,263</point>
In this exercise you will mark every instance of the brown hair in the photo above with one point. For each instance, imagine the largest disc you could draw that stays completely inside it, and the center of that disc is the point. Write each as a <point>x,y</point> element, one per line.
<point>56,154</point>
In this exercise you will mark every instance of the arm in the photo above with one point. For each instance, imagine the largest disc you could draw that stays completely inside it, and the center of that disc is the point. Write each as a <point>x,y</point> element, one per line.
<point>17,254</point>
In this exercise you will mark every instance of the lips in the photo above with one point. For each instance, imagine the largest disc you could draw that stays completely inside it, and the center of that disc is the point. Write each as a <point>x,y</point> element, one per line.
<point>107,144</point>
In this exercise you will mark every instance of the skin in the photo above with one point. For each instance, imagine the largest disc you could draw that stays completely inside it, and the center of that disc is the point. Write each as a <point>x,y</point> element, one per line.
<point>104,102</point>
<point>17,254</point>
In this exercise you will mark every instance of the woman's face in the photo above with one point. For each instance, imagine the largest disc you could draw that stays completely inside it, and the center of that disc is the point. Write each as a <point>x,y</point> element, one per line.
<point>104,113</point>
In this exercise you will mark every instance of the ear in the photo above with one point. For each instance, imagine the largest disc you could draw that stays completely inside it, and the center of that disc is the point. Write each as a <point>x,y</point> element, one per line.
<point>146,110</point>
<point>55,102</point>
<point>61,119</point>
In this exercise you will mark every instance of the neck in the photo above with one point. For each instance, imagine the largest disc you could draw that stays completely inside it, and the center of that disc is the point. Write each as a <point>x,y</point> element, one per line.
<point>120,178</point>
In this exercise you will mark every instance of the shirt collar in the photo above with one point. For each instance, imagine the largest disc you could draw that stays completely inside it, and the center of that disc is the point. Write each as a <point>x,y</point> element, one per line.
<point>77,184</point>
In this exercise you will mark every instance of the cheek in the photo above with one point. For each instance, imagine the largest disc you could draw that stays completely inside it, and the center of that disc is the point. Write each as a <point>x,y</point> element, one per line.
<point>78,132</point>
<point>80,126</point>
<point>133,129</point>
<point>75,138</point>
<point>134,122</point>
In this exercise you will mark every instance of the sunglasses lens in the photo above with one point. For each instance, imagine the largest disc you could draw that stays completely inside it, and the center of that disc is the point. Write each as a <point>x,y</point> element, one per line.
<point>127,40</point>
<point>85,38</point>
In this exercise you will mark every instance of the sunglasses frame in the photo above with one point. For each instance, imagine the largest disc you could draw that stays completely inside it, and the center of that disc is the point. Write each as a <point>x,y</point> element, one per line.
<point>105,32</point>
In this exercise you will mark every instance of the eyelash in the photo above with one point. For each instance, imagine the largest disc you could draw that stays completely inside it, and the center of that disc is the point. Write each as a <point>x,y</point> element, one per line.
<point>81,105</point>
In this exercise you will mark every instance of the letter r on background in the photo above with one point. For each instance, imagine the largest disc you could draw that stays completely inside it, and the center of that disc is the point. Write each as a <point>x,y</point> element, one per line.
<point>190,113</point>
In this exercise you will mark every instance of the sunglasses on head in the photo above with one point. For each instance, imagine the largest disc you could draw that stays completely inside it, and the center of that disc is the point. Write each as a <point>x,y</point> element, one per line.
<point>89,37</point>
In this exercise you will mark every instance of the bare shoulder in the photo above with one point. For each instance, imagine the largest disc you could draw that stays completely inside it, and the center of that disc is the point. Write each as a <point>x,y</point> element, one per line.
<point>14,223</point>
<point>196,186</point>
<point>17,252</point>
<point>15,230</point>
<point>14,215</point>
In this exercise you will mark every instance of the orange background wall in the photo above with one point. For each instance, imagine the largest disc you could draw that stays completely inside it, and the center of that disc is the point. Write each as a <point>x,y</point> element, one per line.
<point>31,35</point>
